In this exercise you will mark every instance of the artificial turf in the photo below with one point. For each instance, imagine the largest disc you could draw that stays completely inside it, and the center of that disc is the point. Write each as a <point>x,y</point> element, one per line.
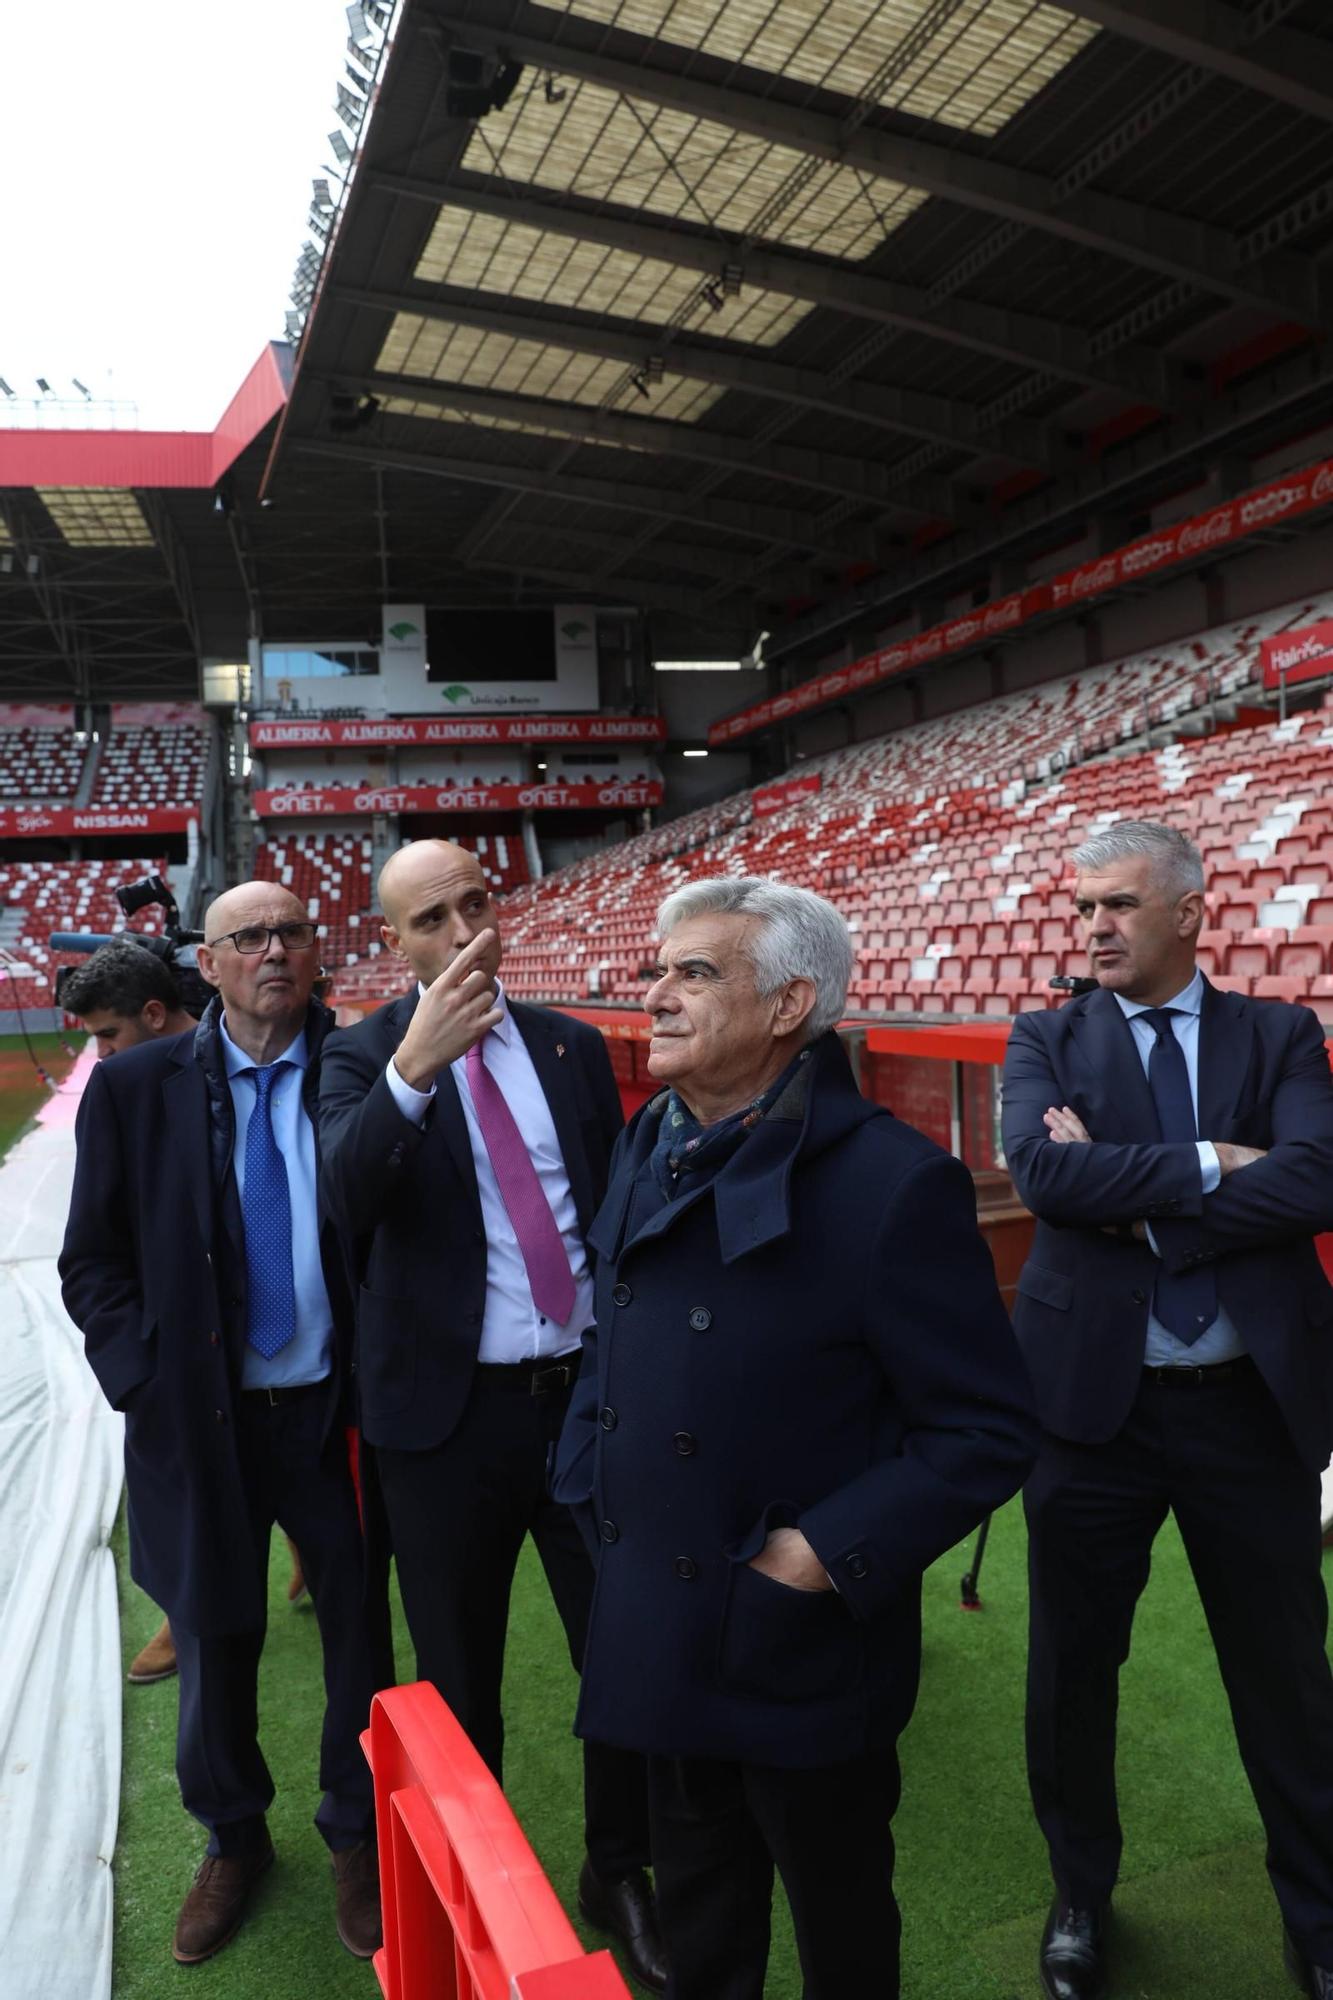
<point>1196,1920</point>
<point>22,1092</point>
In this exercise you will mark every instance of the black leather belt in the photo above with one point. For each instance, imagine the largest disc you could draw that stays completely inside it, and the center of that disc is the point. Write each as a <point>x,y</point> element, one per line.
<point>1172,1377</point>
<point>273,1397</point>
<point>532,1378</point>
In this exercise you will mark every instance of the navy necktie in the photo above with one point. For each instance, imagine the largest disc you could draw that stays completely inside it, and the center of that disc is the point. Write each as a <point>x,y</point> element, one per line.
<point>1185,1302</point>
<point>267,1209</point>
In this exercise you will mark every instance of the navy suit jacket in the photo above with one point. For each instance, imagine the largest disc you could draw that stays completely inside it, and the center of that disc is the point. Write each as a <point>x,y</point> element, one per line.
<point>406,1198</point>
<point>1082,1309</point>
<point>153,1273</point>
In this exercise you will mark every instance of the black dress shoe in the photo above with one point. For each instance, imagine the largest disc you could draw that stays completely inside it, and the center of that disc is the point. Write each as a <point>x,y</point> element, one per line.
<point>1316,1980</point>
<point>627,1909</point>
<point>1073,1953</point>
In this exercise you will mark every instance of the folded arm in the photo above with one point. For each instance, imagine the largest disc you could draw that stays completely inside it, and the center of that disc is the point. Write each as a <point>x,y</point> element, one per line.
<point>1085,1186</point>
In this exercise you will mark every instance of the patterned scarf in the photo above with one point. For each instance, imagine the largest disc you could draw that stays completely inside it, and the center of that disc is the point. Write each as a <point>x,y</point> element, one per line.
<point>685,1147</point>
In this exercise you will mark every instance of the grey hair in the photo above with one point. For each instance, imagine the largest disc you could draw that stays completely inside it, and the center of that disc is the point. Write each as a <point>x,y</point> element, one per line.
<point>1177,863</point>
<point>799,936</point>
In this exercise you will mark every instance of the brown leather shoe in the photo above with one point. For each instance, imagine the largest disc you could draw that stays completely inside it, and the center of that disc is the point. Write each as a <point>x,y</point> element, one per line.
<point>157,1660</point>
<point>211,1914</point>
<point>356,1871</point>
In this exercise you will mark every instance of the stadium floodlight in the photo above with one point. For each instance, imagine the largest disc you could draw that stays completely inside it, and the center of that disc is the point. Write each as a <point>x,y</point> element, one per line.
<point>4,386</point>
<point>45,386</point>
<point>342,152</point>
<point>364,59</point>
<point>355,78</point>
<point>732,278</point>
<point>319,223</point>
<point>358,27</point>
<point>322,192</point>
<point>350,109</point>
<point>87,394</point>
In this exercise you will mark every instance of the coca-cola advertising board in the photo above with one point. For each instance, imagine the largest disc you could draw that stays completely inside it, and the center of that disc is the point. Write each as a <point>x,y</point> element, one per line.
<point>59,822</point>
<point>309,733</point>
<point>1306,655</point>
<point>772,798</point>
<point>1284,499</point>
<point>323,802</point>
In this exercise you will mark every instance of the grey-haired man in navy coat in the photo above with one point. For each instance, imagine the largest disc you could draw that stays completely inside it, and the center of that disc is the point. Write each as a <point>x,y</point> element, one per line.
<point>801,1389</point>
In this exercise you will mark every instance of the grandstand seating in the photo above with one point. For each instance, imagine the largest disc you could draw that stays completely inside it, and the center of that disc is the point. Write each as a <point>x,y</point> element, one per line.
<point>152,764</point>
<point>40,766</point>
<point>946,845</point>
<point>331,873</point>
<point>38,897</point>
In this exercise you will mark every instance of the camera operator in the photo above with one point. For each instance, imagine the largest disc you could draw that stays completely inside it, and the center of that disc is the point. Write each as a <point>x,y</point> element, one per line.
<point>123,995</point>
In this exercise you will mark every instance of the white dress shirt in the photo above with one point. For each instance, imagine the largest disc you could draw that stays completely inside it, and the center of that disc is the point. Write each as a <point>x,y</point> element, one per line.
<point>512,1329</point>
<point>1221,1342</point>
<point>308,1355</point>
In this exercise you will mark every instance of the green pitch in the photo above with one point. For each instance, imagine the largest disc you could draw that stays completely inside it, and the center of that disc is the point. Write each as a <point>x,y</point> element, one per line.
<point>1196,1918</point>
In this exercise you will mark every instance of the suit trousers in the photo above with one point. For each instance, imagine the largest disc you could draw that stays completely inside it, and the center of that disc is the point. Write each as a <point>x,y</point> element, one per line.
<point>1220,1458</point>
<point>304,1484</point>
<point>719,1829</point>
<point>458,1514</point>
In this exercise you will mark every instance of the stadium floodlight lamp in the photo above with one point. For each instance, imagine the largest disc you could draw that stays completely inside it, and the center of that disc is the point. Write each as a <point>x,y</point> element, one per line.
<point>732,279</point>
<point>358,27</point>
<point>45,386</point>
<point>294,324</point>
<point>86,394</point>
<point>5,388</point>
<point>319,223</point>
<point>323,194</point>
<point>350,109</point>
<point>342,152</point>
<point>365,57</point>
<point>358,82</point>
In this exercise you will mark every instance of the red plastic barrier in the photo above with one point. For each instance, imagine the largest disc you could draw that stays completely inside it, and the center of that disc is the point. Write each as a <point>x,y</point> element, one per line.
<point>468,1912</point>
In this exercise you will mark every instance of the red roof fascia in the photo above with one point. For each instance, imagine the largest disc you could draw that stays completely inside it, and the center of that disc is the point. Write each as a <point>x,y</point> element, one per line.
<point>150,459</point>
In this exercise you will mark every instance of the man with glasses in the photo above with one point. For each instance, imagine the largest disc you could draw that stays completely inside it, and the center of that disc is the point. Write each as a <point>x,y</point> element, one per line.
<point>216,1315</point>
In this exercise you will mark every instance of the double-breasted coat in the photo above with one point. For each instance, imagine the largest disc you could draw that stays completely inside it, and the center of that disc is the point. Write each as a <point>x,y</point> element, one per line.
<point>812,1339</point>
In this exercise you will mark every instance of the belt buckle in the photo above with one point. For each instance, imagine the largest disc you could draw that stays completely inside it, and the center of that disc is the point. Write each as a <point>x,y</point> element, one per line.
<point>542,1381</point>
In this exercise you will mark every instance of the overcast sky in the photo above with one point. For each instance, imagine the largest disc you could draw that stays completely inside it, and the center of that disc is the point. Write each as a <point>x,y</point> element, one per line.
<point>156,163</point>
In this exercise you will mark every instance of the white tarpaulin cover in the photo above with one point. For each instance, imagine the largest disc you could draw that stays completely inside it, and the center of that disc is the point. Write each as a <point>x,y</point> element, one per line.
<point>60,1478</point>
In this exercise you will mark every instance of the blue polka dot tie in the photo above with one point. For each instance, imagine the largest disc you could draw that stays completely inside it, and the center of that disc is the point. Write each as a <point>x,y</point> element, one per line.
<point>267,1208</point>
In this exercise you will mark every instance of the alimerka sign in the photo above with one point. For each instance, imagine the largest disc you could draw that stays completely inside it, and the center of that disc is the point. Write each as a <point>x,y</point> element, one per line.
<point>328,800</point>
<point>1306,655</point>
<point>1284,499</point>
<point>309,733</point>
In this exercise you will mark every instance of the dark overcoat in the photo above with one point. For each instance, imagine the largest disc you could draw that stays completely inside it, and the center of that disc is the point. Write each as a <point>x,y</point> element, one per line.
<point>405,1197</point>
<point>1084,1293</point>
<point>153,1273</point>
<point>813,1340</point>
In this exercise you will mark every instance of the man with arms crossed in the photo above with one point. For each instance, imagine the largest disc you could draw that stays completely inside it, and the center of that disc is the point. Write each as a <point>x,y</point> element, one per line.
<point>214,1313</point>
<point>1176,1145</point>
<point>466,1141</point>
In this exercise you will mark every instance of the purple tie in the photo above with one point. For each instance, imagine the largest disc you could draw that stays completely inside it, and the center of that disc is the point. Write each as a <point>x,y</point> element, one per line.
<point>529,1211</point>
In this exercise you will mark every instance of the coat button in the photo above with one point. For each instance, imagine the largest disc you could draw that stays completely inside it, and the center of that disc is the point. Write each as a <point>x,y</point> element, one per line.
<point>856,1565</point>
<point>700,1318</point>
<point>221,1416</point>
<point>609,1419</point>
<point>686,1567</point>
<point>684,1443</point>
<point>610,1532</point>
<point>1138,1295</point>
<point>621,1295</point>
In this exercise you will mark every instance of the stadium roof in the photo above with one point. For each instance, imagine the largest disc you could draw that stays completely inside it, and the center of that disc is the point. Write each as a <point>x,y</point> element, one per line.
<point>805,308</point>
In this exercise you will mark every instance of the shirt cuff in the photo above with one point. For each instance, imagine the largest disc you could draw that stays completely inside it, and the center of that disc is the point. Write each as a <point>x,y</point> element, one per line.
<point>1210,1165</point>
<point>413,1104</point>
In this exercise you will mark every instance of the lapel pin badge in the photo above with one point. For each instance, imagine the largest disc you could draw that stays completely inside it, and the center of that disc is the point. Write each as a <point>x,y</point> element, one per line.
<point>560,1048</point>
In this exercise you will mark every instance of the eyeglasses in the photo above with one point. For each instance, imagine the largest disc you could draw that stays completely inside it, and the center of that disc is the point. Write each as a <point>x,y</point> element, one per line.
<point>254,938</point>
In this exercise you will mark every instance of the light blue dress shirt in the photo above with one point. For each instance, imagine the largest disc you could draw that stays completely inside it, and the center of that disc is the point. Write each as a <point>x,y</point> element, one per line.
<point>1221,1342</point>
<point>308,1355</point>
